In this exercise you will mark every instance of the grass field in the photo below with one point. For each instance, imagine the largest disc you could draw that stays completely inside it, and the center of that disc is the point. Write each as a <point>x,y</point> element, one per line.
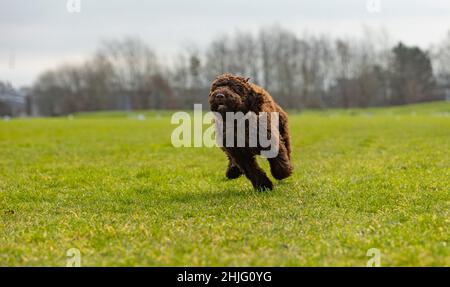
<point>115,188</point>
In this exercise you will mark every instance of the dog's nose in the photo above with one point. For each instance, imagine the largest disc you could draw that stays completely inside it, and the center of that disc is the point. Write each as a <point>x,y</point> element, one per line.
<point>220,96</point>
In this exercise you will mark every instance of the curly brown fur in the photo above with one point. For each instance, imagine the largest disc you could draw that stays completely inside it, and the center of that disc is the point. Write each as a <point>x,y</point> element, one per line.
<point>239,95</point>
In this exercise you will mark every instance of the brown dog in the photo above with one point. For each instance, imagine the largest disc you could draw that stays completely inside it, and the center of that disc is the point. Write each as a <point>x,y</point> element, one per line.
<point>231,93</point>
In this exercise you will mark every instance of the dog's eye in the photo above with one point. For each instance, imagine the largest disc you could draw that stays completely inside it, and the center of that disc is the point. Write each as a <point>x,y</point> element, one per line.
<point>238,90</point>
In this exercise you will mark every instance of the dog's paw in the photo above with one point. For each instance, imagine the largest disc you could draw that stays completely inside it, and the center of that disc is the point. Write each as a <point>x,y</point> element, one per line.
<point>280,169</point>
<point>233,172</point>
<point>281,173</point>
<point>263,184</point>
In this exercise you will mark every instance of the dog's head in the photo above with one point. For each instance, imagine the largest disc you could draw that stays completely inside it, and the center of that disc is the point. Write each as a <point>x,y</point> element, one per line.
<point>229,94</point>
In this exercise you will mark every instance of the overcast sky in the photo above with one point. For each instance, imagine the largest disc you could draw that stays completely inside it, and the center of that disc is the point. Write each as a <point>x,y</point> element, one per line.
<point>39,34</point>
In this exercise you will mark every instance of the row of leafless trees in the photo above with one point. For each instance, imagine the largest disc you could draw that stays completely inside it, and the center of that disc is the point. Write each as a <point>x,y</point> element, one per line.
<point>299,72</point>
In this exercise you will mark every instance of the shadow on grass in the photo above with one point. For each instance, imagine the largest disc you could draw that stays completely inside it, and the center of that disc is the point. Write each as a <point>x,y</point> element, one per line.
<point>215,195</point>
<point>210,196</point>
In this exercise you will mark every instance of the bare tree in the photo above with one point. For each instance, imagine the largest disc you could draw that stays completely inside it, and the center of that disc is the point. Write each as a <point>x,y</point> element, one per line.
<point>134,64</point>
<point>299,71</point>
<point>441,57</point>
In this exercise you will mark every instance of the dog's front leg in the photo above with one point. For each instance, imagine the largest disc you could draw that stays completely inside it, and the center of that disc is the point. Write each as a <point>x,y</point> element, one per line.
<point>253,172</point>
<point>233,170</point>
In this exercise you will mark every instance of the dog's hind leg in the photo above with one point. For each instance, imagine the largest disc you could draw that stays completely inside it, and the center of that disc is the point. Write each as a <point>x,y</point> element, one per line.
<point>284,133</point>
<point>280,166</point>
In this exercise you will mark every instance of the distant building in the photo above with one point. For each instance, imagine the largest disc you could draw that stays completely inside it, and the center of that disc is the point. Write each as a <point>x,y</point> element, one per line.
<point>12,102</point>
<point>442,91</point>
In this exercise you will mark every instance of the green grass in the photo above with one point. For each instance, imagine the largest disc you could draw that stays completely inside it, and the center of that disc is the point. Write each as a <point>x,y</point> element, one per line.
<point>115,188</point>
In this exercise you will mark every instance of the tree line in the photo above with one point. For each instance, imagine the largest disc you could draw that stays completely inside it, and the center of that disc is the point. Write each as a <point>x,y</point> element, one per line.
<point>308,71</point>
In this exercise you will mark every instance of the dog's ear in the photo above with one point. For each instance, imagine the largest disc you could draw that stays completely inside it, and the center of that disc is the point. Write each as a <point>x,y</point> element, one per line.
<point>253,102</point>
